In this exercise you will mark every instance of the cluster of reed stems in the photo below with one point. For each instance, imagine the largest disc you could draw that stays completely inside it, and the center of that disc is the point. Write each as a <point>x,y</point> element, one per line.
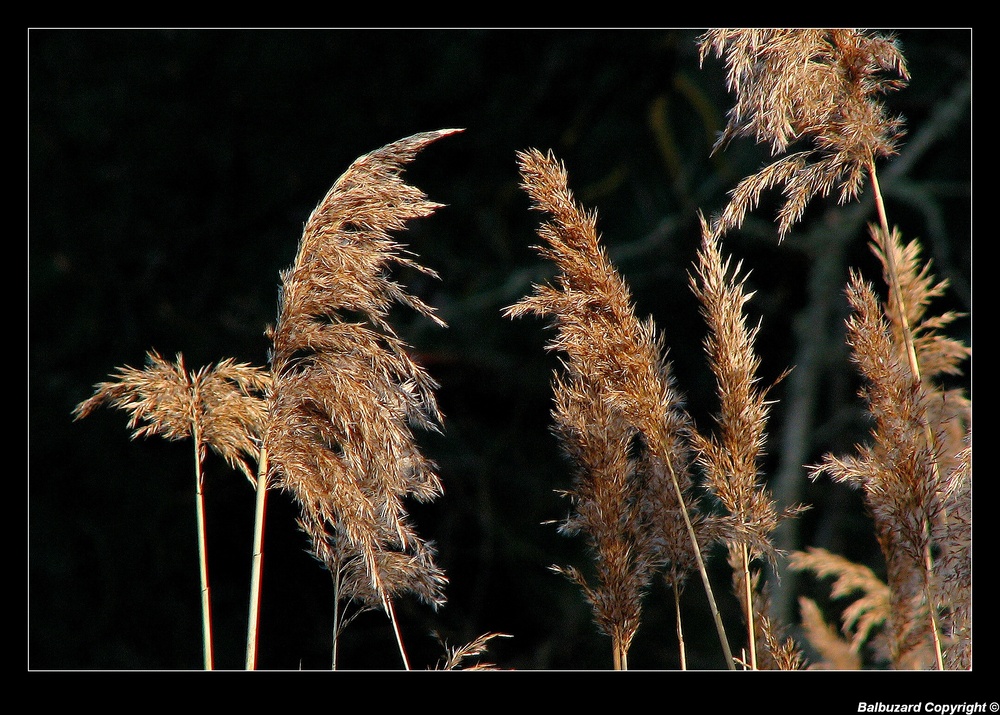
<point>331,419</point>
<point>220,406</point>
<point>814,96</point>
<point>822,89</point>
<point>622,424</point>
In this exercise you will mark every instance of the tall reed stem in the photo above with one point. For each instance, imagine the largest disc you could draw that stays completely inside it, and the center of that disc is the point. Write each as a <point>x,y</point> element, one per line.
<point>681,647</point>
<point>336,618</point>
<point>894,286</point>
<point>206,599</point>
<point>730,663</point>
<point>257,563</point>
<point>391,610</point>
<point>751,636</point>
<point>620,655</point>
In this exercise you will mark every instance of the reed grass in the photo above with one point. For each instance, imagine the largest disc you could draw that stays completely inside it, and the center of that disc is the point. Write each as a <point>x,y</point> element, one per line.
<point>347,394</point>
<point>333,420</point>
<point>916,472</point>
<point>823,88</point>
<point>819,87</point>
<point>621,422</point>
<point>730,459</point>
<point>617,415</point>
<point>219,406</point>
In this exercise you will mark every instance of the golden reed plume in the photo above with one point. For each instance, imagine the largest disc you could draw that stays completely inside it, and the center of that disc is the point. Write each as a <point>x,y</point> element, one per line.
<point>220,406</point>
<point>917,490</point>
<point>617,415</point>
<point>813,86</point>
<point>730,459</point>
<point>347,394</point>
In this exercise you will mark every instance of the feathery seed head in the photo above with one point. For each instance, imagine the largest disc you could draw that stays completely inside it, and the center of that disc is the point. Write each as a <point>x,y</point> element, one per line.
<point>346,391</point>
<point>817,85</point>
<point>224,405</point>
<point>616,413</point>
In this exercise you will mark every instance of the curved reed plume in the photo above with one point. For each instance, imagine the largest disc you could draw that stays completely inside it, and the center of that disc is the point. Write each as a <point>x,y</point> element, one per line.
<point>617,415</point>
<point>219,406</point>
<point>346,392</point>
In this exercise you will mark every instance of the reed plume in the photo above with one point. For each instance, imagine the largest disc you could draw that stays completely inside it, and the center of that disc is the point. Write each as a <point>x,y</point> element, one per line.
<point>916,473</point>
<point>617,415</point>
<point>820,86</point>
<point>455,656</point>
<point>347,394</point>
<point>220,406</point>
<point>729,458</point>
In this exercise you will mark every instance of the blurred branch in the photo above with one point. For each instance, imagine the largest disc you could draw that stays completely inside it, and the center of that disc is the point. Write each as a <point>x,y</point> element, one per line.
<point>924,198</point>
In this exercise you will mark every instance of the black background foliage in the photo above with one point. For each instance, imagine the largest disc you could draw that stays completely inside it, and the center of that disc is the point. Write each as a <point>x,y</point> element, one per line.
<point>170,175</point>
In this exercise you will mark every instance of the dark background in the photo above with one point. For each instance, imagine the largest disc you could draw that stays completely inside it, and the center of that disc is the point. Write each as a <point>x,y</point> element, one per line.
<point>170,174</point>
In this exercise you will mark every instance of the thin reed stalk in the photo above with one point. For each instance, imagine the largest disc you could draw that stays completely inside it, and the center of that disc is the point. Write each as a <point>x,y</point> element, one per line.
<point>681,646</point>
<point>218,406</point>
<point>206,595</point>
<point>257,561</point>
<point>748,605</point>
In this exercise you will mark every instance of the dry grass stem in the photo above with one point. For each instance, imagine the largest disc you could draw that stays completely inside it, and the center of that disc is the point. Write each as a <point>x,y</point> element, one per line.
<point>257,559</point>
<point>617,415</point>
<point>347,394</point>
